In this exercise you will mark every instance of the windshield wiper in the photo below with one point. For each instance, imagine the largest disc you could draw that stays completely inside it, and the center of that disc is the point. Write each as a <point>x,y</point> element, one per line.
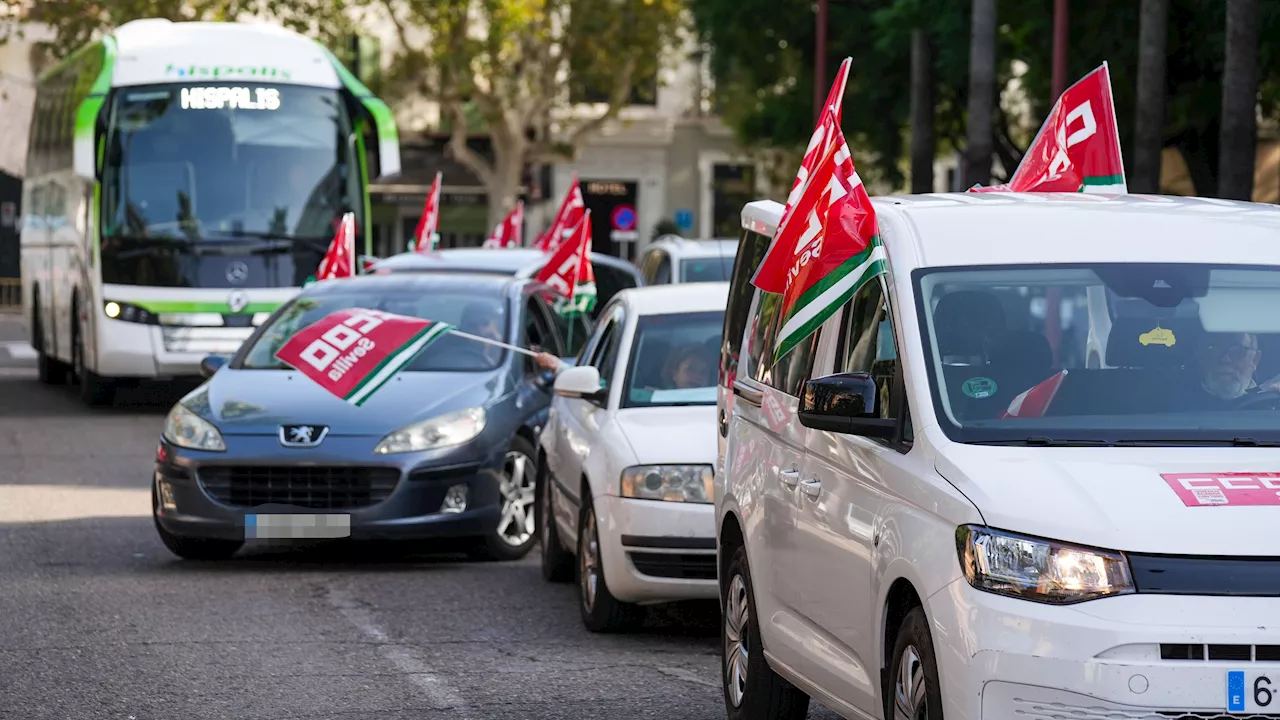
<point>1199,442</point>
<point>1045,441</point>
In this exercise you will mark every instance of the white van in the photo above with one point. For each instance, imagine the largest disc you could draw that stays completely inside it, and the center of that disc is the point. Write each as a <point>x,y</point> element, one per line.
<point>1033,472</point>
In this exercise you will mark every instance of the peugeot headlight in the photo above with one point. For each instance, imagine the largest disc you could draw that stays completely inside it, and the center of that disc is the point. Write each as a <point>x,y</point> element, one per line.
<point>1039,570</point>
<point>187,429</point>
<point>675,483</point>
<point>454,428</point>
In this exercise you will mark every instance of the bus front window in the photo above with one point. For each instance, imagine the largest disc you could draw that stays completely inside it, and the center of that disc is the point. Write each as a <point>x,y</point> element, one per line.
<point>192,167</point>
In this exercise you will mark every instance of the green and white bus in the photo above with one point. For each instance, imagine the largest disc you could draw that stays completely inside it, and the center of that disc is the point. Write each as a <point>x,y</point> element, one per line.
<point>183,181</point>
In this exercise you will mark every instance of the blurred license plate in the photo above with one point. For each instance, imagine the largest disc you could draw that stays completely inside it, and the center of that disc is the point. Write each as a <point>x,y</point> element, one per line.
<point>297,526</point>
<point>1252,692</point>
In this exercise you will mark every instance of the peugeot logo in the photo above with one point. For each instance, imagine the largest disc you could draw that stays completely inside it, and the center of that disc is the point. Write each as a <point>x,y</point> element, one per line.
<point>238,300</point>
<point>237,273</point>
<point>302,436</point>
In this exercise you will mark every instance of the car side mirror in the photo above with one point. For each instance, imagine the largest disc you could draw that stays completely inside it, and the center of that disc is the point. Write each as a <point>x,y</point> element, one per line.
<point>580,382</point>
<point>845,403</point>
<point>211,364</point>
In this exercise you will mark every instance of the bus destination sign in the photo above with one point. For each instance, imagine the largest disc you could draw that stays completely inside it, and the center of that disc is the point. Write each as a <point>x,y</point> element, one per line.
<point>240,98</point>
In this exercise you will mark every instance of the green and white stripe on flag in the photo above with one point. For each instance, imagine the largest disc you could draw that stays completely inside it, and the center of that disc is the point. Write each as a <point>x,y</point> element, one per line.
<point>828,295</point>
<point>392,364</point>
<point>1105,185</point>
<point>582,302</point>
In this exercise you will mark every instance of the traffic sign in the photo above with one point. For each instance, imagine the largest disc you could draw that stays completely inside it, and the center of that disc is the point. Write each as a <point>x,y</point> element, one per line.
<point>624,218</point>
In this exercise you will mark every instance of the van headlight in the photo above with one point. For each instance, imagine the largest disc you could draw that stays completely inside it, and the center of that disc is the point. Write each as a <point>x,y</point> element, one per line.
<point>673,483</point>
<point>188,430</point>
<point>453,428</point>
<point>1039,570</point>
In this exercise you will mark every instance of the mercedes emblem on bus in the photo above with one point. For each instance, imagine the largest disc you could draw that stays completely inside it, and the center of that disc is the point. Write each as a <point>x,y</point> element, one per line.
<point>238,300</point>
<point>237,273</point>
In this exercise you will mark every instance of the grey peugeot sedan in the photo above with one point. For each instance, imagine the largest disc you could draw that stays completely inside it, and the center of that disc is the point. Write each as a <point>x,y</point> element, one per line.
<point>443,450</point>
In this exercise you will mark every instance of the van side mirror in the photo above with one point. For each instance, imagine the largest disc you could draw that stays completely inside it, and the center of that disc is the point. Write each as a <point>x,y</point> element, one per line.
<point>211,364</point>
<point>845,403</point>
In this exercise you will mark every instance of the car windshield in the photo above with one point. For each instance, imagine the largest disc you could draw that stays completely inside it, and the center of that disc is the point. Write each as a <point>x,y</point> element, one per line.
<point>1111,353</point>
<point>673,360</point>
<point>474,313</point>
<point>710,269</point>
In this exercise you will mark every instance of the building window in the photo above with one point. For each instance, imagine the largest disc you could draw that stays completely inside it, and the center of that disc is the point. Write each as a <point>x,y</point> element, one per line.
<point>732,186</point>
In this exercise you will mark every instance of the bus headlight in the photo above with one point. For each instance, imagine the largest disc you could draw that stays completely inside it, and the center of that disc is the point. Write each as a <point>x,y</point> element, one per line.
<point>188,430</point>
<point>129,313</point>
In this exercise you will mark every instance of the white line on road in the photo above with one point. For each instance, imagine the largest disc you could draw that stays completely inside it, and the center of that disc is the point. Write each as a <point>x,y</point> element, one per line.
<point>20,350</point>
<point>438,692</point>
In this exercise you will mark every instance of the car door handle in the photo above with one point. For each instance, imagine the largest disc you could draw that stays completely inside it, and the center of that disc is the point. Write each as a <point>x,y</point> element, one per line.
<point>812,488</point>
<point>789,478</point>
<point>748,394</point>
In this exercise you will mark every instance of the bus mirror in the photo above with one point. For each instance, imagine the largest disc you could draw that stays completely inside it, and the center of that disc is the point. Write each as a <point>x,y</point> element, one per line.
<point>83,159</point>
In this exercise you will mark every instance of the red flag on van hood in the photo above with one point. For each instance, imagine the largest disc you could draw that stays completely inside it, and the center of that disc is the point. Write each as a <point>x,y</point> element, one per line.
<point>1077,148</point>
<point>351,353</point>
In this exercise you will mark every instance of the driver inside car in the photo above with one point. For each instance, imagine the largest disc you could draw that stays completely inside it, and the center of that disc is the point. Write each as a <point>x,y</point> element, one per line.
<point>1227,363</point>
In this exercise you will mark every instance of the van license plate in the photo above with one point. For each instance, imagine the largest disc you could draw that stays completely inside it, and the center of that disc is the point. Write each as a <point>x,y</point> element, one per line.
<point>1253,692</point>
<point>326,526</point>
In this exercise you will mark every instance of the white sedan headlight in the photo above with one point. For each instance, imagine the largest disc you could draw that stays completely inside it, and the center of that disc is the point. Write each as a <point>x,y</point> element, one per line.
<point>453,428</point>
<point>188,430</point>
<point>674,483</point>
<point>1039,570</point>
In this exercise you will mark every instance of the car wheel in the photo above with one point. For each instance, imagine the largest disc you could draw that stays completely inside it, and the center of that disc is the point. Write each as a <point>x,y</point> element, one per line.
<point>516,532</point>
<point>95,391</point>
<point>192,548</point>
<point>752,690</point>
<point>557,563</point>
<point>916,693</point>
<point>601,611</point>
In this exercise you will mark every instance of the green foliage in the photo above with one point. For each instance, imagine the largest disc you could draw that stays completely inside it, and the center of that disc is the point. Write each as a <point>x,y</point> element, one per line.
<point>765,72</point>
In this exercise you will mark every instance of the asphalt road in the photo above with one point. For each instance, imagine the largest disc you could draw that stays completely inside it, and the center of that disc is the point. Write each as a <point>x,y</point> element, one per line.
<point>98,620</point>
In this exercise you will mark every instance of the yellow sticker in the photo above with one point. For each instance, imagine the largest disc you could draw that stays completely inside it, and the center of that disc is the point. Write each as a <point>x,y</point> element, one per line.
<point>1158,336</point>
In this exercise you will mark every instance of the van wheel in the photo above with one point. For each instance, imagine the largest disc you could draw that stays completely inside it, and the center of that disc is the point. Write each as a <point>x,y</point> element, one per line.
<point>557,563</point>
<point>95,390</point>
<point>752,690</point>
<point>601,611</point>
<point>916,693</point>
<point>50,370</point>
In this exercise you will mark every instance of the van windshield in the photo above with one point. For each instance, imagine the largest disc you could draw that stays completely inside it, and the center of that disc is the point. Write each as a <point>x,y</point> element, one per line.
<point>1132,353</point>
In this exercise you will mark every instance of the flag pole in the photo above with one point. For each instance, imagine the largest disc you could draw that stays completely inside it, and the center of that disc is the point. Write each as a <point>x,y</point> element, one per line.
<point>495,343</point>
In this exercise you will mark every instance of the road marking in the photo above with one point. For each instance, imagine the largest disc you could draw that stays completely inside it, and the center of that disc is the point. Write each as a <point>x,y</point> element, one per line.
<point>20,350</point>
<point>687,675</point>
<point>438,692</point>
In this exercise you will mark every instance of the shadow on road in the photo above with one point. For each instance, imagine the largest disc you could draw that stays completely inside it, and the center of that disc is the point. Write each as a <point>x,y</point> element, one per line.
<point>26,396</point>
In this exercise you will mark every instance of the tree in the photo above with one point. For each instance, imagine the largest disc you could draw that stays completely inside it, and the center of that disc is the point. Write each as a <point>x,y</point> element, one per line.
<point>513,66</point>
<point>1148,133</point>
<point>1238,146</point>
<point>982,93</point>
<point>923,141</point>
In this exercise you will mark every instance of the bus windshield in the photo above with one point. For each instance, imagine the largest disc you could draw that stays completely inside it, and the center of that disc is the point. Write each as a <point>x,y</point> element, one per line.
<point>191,167</point>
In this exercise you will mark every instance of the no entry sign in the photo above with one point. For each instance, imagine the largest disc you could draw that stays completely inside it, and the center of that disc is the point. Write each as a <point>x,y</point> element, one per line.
<point>624,218</point>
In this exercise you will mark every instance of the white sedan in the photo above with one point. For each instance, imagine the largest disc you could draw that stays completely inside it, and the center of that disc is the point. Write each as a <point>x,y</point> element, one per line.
<point>625,492</point>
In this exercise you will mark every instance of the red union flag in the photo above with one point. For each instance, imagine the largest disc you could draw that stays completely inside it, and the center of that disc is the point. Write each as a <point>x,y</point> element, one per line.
<point>339,259</point>
<point>568,216</point>
<point>570,273</point>
<point>510,232</point>
<point>424,235</point>
<point>831,250</point>
<point>1077,148</point>
<point>1035,402</point>
<point>1229,488</point>
<point>771,269</point>
<point>351,353</point>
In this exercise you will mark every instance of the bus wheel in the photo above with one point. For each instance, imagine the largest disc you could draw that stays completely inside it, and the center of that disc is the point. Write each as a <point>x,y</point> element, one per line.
<point>51,371</point>
<point>95,391</point>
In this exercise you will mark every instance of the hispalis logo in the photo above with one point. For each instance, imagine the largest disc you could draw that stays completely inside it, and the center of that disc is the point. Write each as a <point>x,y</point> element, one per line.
<point>265,72</point>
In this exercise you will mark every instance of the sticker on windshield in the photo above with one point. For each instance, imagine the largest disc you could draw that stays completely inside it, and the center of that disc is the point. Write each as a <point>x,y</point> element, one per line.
<point>241,98</point>
<point>979,387</point>
<point>1229,489</point>
<point>1158,336</point>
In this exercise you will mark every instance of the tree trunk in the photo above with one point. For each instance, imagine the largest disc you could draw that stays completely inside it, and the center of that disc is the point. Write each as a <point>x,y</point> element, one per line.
<point>503,186</point>
<point>982,97</point>
<point>1238,145</point>
<point>1148,135</point>
<point>923,142</point>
